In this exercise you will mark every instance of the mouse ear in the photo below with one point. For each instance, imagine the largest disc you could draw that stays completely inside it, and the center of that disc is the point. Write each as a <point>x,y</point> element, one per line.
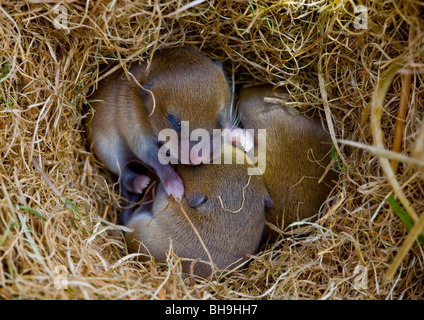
<point>218,63</point>
<point>197,200</point>
<point>144,92</point>
<point>268,202</point>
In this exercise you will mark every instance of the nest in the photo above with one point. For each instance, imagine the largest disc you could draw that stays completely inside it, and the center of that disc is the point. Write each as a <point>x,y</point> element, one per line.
<point>360,67</point>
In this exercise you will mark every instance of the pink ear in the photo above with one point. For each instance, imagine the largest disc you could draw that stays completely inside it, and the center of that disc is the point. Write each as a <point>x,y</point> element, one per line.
<point>241,137</point>
<point>197,200</point>
<point>268,202</point>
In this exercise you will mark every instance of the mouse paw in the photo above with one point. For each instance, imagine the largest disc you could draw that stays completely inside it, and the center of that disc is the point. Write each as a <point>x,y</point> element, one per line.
<point>140,183</point>
<point>174,186</point>
<point>242,137</point>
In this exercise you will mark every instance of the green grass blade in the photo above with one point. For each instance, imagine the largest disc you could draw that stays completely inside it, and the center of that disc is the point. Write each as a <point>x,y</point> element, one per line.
<point>35,212</point>
<point>403,216</point>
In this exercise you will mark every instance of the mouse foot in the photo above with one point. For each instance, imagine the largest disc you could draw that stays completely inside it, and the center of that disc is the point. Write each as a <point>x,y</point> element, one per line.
<point>174,186</point>
<point>133,182</point>
<point>140,183</point>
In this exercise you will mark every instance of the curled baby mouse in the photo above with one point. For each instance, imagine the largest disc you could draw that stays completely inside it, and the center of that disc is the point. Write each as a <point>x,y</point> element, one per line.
<point>297,154</point>
<point>223,206</point>
<point>180,84</point>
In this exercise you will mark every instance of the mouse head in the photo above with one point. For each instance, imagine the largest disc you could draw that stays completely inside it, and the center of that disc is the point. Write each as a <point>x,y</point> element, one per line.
<point>229,183</point>
<point>186,94</point>
<point>228,213</point>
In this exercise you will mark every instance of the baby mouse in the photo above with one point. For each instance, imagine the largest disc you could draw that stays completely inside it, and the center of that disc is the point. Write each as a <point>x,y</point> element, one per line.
<point>224,204</point>
<point>180,84</point>
<point>297,153</point>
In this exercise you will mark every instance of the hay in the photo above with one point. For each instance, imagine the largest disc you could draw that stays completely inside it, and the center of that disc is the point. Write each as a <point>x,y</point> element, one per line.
<point>59,208</point>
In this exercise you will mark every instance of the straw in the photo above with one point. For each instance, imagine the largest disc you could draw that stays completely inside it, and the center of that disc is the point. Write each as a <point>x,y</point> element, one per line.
<point>331,57</point>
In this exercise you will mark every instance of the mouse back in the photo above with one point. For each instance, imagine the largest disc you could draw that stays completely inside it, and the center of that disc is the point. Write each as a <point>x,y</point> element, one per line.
<point>297,153</point>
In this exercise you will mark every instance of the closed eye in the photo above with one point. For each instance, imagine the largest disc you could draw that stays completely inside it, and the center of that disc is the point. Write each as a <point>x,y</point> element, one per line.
<point>174,121</point>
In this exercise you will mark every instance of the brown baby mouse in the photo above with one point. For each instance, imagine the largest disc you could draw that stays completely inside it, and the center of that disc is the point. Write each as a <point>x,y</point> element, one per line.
<point>297,153</point>
<point>179,84</point>
<point>222,203</point>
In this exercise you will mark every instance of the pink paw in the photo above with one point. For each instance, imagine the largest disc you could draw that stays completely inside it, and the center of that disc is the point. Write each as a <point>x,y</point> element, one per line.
<point>174,187</point>
<point>140,183</point>
<point>240,136</point>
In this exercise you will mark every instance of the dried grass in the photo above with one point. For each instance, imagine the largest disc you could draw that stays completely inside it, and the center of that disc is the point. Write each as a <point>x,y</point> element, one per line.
<point>309,47</point>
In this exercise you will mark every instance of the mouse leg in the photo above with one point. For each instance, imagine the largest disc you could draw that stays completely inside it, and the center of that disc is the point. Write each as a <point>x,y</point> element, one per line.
<point>131,201</point>
<point>171,181</point>
<point>127,211</point>
<point>128,205</point>
<point>115,153</point>
<point>117,157</point>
